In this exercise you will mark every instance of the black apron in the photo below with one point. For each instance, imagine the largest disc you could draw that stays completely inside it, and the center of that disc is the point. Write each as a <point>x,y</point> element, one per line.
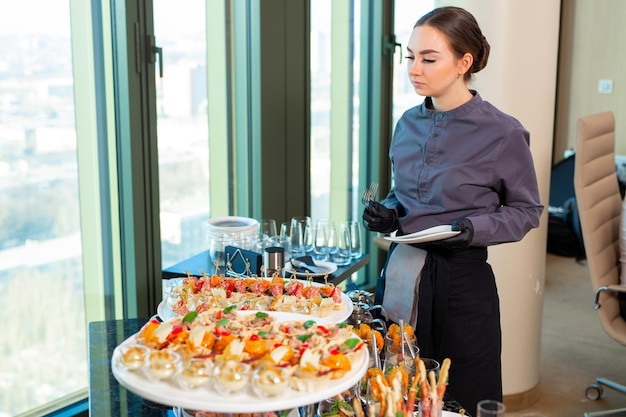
<point>459,318</point>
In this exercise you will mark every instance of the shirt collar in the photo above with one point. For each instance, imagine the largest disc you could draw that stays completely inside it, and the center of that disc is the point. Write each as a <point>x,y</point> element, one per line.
<point>425,109</point>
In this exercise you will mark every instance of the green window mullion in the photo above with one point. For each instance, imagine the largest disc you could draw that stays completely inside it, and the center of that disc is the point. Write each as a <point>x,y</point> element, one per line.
<point>243,103</point>
<point>372,134</point>
<point>218,87</point>
<point>341,143</point>
<point>89,161</point>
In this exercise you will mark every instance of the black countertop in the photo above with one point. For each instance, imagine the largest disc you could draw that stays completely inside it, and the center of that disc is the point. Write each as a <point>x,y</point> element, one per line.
<point>106,396</point>
<point>201,262</point>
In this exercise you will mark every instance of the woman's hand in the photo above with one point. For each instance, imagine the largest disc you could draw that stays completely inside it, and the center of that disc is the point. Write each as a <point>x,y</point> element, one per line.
<point>378,218</point>
<point>463,239</point>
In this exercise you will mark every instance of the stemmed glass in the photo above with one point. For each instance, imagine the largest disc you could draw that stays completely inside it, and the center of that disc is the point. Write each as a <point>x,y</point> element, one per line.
<point>267,228</point>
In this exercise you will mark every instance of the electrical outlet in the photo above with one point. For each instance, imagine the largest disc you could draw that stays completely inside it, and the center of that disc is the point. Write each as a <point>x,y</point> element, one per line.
<point>605,86</point>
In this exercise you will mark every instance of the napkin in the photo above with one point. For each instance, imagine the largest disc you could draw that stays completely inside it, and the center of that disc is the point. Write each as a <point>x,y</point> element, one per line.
<point>307,260</point>
<point>403,275</point>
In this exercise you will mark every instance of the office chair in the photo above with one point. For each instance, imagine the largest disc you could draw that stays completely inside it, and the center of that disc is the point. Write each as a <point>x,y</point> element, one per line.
<point>600,208</point>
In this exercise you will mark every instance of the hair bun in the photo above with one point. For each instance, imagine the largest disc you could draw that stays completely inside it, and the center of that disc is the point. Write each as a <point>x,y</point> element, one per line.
<point>480,61</point>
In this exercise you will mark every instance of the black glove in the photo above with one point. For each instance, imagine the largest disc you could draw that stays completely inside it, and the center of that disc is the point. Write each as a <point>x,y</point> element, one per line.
<point>463,239</point>
<point>378,218</point>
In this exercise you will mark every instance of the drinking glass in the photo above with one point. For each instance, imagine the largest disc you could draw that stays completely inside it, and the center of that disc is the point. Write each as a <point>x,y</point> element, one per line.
<point>216,250</point>
<point>435,411</point>
<point>401,357</point>
<point>490,408</point>
<point>298,227</point>
<point>309,239</point>
<point>356,249</point>
<point>320,241</point>
<point>431,365</point>
<point>284,230</point>
<point>343,255</point>
<point>267,227</point>
<point>332,241</point>
<point>369,400</point>
<point>296,240</point>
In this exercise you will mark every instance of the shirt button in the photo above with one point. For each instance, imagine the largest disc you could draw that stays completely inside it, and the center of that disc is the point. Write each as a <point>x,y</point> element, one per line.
<point>435,135</point>
<point>440,116</point>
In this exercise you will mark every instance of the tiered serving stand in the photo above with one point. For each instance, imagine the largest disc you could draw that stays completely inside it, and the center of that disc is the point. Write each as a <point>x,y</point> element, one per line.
<point>208,399</point>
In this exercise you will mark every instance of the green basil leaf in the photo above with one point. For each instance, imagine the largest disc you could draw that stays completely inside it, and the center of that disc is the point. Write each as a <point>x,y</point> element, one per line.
<point>304,337</point>
<point>352,343</point>
<point>261,314</point>
<point>309,323</point>
<point>189,317</point>
<point>229,309</point>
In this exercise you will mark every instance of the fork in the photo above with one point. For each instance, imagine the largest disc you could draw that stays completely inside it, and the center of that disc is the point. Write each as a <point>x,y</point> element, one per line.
<point>369,194</point>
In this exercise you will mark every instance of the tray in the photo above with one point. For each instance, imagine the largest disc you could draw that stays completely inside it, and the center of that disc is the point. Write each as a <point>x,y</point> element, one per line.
<point>165,312</point>
<point>207,399</point>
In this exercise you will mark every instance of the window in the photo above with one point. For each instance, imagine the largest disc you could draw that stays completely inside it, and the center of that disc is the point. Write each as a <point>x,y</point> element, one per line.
<point>406,14</point>
<point>334,70</point>
<point>43,356</point>
<point>182,128</point>
<point>64,216</point>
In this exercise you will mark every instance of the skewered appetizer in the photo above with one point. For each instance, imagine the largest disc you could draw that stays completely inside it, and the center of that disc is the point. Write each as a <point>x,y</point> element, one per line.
<point>265,294</point>
<point>303,355</point>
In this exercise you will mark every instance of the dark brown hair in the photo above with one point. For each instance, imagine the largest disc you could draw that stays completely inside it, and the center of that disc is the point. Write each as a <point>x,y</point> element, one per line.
<point>463,33</point>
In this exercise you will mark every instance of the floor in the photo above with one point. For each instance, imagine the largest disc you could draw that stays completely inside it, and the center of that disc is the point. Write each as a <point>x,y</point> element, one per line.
<point>574,348</point>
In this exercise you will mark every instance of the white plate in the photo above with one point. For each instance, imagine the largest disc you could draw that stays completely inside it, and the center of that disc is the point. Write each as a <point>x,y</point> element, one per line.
<point>207,399</point>
<point>427,235</point>
<point>329,268</point>
<point>165,312</point>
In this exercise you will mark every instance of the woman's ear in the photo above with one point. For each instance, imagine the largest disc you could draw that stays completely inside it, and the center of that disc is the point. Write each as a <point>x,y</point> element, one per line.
<point>465,63</point>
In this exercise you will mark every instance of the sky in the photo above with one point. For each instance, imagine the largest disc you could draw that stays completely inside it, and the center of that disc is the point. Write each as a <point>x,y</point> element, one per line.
<point>35,16</point>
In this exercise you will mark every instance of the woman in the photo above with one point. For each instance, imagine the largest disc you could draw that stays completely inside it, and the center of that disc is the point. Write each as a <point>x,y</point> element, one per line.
<point>457,160</point>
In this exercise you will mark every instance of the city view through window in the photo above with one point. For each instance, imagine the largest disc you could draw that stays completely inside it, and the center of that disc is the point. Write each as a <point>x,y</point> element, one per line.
<point>43,348</point>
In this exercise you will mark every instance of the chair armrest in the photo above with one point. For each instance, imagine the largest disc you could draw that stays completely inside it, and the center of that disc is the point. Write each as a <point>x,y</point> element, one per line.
<point>611,288</point>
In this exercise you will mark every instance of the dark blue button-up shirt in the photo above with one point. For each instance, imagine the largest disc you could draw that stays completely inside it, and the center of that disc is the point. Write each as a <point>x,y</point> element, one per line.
<point>473,161</point>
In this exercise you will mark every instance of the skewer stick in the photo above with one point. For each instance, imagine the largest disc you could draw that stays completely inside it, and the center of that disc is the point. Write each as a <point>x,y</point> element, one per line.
<point>411,351</point>
<point>402,338</point>
<point>375,351</point>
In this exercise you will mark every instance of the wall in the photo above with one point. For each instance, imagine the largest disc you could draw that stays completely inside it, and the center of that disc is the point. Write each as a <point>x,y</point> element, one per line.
<point>520,79</point>
<point>593,41</point>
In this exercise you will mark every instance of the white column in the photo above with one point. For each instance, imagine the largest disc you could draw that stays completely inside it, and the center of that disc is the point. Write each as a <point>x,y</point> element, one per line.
<point>520,79</point>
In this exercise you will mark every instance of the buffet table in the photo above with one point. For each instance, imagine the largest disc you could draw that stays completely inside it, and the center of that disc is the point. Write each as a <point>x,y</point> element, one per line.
<point>107,397</point>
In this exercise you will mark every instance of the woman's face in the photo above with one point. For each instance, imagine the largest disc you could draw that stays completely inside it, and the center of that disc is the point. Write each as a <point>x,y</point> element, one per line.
<point>433,68</point>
